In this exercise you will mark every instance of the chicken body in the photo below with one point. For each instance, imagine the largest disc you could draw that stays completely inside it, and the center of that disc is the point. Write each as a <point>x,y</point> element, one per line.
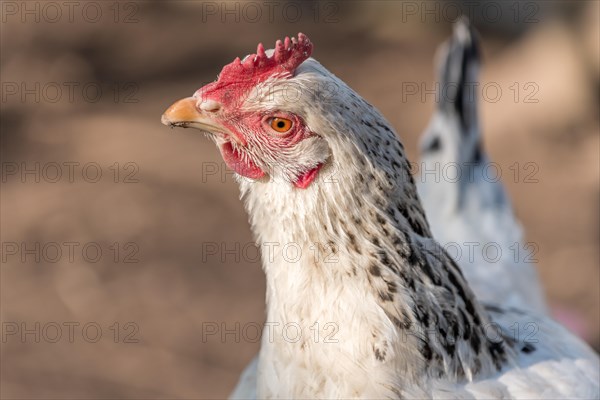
<point>366,304</point>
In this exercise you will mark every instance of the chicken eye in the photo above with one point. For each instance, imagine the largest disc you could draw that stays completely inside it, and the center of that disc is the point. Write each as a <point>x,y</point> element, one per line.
<point>280,125</point>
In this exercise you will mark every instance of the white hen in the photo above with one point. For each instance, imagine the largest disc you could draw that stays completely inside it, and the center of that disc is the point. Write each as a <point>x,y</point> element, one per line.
<point>366,304</point>
<point>467,207</point>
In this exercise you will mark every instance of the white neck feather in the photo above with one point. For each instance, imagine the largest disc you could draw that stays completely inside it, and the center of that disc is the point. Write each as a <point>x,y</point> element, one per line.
<point>356,287</point>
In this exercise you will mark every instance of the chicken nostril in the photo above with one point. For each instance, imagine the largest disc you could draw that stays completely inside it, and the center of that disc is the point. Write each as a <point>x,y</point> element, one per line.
<point>209,105</point>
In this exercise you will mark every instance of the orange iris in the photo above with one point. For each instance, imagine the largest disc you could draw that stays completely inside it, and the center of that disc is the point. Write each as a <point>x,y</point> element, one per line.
<point>281,125</point>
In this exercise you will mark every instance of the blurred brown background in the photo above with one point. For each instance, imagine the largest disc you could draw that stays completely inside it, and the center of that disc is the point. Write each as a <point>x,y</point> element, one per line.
<point>108,282</point>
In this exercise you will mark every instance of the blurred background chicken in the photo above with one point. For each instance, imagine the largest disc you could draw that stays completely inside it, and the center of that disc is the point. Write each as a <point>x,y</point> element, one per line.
<point>466,205</point>
<point>187,256</point>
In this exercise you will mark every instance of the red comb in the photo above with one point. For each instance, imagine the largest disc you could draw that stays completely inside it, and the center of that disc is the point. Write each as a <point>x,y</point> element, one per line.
<point>255,68</point>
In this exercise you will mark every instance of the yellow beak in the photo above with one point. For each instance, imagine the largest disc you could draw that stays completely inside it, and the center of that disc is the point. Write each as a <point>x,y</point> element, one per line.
<point>186,114</point>
<point>183,113</point>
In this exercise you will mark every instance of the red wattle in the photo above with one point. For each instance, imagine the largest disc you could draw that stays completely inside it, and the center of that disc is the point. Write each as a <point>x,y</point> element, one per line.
<point>304,180</point>
<point>233,160</point>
